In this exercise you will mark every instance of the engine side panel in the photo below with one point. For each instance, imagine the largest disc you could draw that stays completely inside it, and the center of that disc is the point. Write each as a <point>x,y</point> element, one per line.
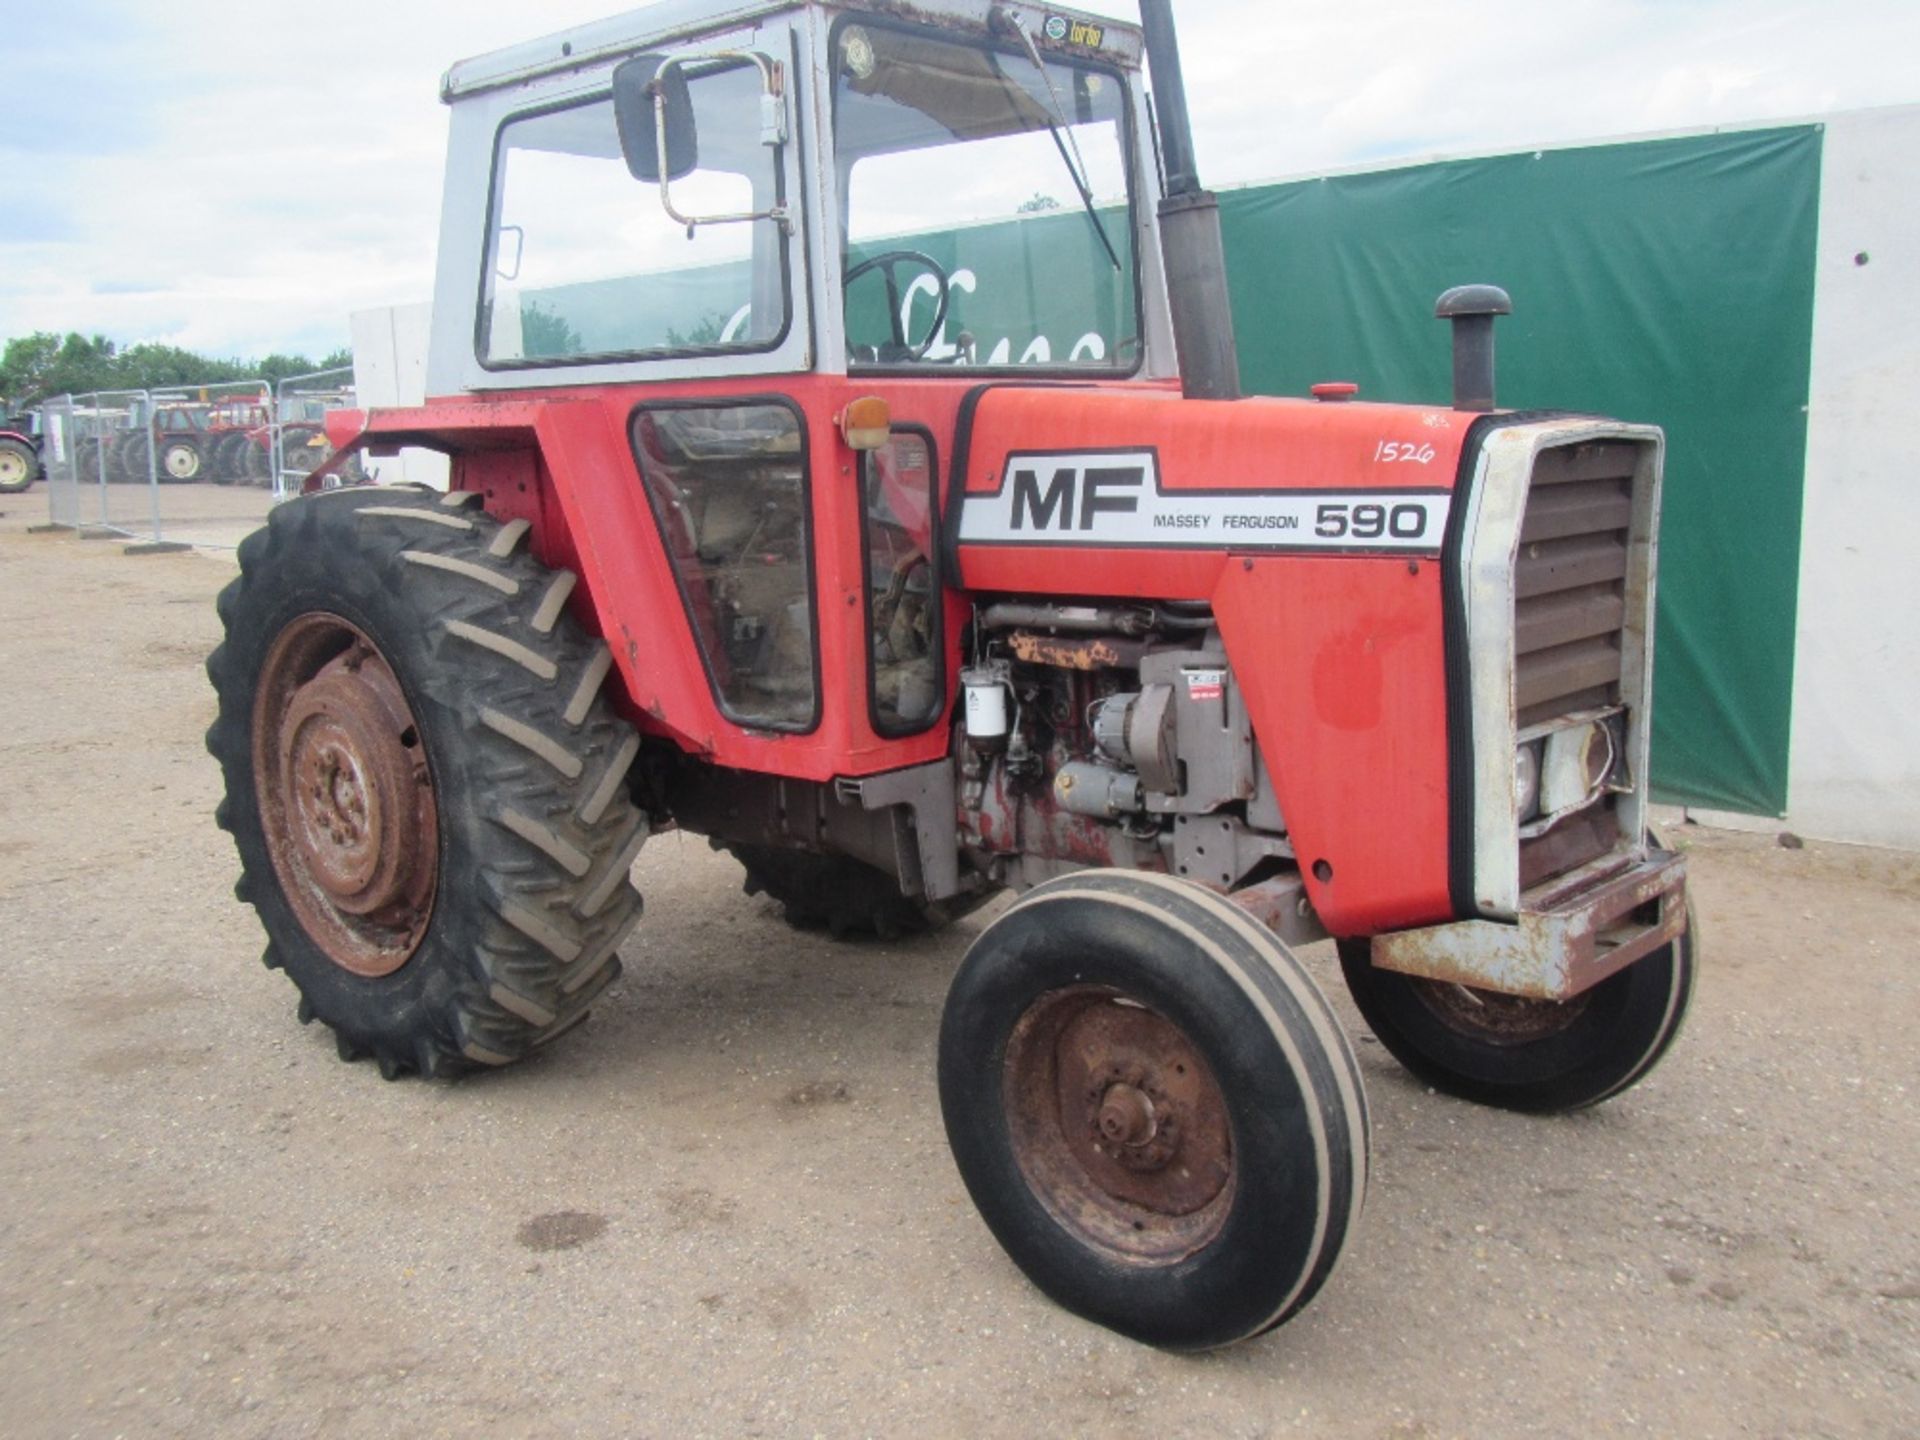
<point>1336,639</point>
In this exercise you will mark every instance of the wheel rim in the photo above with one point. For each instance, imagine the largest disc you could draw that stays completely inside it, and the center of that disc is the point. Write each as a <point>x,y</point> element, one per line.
<point>346,800</point>
<point>1118,1125</point>
<point>183,462</point>
<point>13,467</point>
<point>1491,1018</point>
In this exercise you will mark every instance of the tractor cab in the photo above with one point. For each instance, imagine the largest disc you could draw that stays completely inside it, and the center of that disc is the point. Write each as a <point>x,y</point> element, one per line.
<point>978,180</point>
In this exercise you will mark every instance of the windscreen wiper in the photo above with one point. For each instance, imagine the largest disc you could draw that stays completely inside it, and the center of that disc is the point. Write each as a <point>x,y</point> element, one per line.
<point>1058,128</point>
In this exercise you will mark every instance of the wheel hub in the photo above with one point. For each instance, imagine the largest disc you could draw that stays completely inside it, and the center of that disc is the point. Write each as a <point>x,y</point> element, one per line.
<point>1118,1124</point>
<point>1496,1019</point>
<point>1126,1116</point>
<point>346,799</point>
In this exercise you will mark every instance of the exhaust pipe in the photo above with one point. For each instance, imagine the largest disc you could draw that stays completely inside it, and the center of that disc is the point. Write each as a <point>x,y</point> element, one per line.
<point>1190,245</point>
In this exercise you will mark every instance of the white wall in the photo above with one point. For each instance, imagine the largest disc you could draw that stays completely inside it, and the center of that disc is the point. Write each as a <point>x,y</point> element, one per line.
<point>1854,765</point>
<point>389,369</point>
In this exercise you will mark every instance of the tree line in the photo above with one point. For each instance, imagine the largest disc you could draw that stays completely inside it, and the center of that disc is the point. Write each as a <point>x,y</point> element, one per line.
<point>37,367</point>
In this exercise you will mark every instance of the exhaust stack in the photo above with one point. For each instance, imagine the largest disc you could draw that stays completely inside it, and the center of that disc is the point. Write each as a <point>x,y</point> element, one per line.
<point>1190,243</point>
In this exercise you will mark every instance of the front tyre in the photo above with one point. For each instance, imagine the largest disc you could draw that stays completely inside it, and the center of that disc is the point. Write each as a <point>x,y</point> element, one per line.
<point>180,462</point>
<point>1542,1056</point>
<point>1154,1108</point>
<point>426,788</point>
<point>19,466</point>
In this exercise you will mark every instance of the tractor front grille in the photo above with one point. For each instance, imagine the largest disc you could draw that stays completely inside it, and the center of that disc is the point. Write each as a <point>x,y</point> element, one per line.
<point>1570,602</point>
<point>1570,581</point>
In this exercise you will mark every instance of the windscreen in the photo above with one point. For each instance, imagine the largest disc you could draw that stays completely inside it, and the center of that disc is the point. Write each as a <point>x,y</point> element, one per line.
<point>986,205</point>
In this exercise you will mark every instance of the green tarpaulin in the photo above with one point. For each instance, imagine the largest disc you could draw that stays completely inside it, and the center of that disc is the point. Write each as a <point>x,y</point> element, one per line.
<point>1668,281</point>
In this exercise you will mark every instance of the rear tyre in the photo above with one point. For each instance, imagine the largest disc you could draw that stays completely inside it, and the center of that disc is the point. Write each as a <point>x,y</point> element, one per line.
<point>426,788</point>
<point>1541,1056</point>
<point>848,899</point>
<point>19,466</point>
<point>1154,1108</point>
<point>127,459</point>
<point>257,468</point>
<point>229,458</point>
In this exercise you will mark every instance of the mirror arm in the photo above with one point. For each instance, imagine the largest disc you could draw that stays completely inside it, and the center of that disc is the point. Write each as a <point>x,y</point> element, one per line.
<point>773,131</point>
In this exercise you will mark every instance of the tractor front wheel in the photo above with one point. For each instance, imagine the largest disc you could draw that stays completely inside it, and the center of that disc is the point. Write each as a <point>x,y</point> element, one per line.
<point>19,467</point>
<point>426,788</point>
<point>1542,1056</point>
<point>1154,1108</point>
<point>180,461</point>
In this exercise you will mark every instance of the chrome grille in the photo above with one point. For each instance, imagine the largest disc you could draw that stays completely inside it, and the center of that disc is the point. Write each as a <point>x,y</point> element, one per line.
<point>1570,581</point>
<point>1570,610</point>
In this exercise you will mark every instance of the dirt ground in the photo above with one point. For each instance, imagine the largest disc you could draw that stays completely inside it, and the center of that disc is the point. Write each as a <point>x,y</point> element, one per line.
<point>725,1206</point>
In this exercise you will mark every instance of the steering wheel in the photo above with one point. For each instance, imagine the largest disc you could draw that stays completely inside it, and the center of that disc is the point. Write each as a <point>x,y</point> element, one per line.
<point>886,262</point>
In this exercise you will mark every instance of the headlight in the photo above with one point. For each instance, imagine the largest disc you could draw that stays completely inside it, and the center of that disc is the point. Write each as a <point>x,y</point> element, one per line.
<point>1577,765</point>
<point>1526,781</point>
<point>856,48</point>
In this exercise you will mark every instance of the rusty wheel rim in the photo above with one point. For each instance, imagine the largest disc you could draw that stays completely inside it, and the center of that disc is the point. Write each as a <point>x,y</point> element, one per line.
<point>346,800</point>
<point>1118,1125</point>
<point>1491,1018</point>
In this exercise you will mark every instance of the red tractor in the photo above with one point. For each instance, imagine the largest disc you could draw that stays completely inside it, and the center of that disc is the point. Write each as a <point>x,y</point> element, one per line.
<point>175,445</point>
<point>19,457</point>
<point>740,542</point>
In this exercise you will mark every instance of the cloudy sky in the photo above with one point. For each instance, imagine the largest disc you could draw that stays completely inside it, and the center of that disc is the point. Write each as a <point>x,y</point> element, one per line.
<point>236,179</point>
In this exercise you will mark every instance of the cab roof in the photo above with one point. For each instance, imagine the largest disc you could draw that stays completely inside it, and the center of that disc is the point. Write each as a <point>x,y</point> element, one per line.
<point>585,46</point>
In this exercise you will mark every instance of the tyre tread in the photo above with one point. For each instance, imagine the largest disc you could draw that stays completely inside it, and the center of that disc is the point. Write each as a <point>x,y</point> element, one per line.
<point>553,841</point>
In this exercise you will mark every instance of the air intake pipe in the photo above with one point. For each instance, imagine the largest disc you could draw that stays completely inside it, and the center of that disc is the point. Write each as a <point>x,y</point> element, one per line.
<point>1471,309</point>
<point>1190,246</point>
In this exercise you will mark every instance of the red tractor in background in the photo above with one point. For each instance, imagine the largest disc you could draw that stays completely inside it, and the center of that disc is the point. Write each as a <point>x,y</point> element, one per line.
<point>19,455</point>
<point>751,547</point>
<point>171,440</point>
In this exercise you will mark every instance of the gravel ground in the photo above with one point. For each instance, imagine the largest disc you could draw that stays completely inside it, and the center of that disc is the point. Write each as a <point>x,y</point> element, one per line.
<point>724,1207</point>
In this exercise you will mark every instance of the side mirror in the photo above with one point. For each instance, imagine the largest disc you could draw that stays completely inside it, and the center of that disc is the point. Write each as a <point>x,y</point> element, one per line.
<point>636,83</point>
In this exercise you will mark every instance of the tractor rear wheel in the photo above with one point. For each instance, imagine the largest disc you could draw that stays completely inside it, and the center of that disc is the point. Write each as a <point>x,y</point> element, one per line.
<point>1154,1108</point>
<point>1542,1056</point>
<point>229,462</point>
<point>426,788</point>
<point>127,459</point>
<point>19,467</point>
<point>846,897</point>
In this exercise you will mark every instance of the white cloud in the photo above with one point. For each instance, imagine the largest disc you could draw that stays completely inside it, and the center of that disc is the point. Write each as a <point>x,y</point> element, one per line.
<point>190,175</point>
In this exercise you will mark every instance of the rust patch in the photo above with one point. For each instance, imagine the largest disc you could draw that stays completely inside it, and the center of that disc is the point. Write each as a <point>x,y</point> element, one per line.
<point>1070,652</point>
<point>1571,934</point>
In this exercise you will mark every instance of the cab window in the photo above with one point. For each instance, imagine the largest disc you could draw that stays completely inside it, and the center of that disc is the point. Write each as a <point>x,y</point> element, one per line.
<point>583,263</point>
<point>728,485</point>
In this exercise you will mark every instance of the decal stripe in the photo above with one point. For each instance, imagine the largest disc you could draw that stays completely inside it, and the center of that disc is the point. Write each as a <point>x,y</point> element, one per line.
<point>1114,500</point>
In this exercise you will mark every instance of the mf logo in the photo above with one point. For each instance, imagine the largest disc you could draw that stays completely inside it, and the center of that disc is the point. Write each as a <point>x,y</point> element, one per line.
<point>1071,496</point>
